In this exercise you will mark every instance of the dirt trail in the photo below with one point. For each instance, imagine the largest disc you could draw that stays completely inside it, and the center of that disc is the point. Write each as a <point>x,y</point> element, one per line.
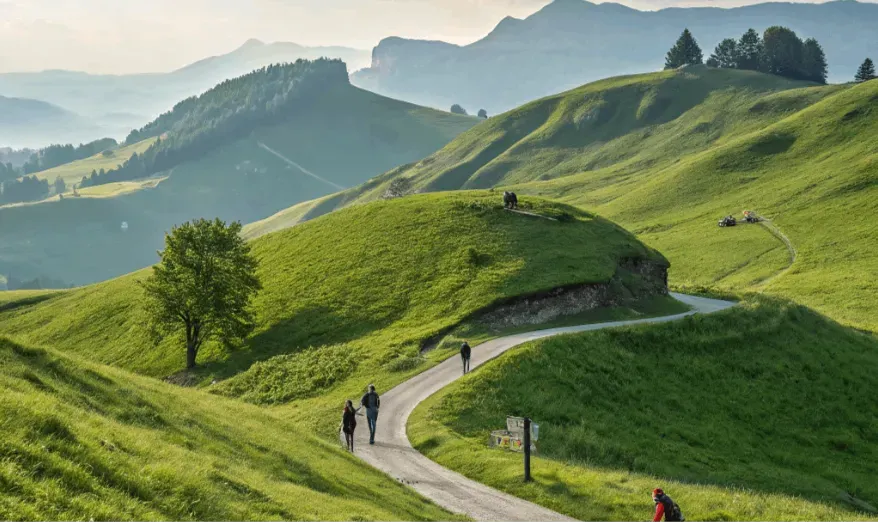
<point>299,167</point>
<point>779,235</point>
<point>393,453</point>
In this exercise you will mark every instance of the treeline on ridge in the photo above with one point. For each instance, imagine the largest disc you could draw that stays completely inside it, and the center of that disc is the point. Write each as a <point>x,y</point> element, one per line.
<point>225,113</point>
<point>30,189</point>
<point>777,51</point>
<point>57,155</point>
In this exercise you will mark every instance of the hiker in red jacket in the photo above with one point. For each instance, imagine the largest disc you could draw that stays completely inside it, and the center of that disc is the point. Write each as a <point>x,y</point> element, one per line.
<point>665,506</point>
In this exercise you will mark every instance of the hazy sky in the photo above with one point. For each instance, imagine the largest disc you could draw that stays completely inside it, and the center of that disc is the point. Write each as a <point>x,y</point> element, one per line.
<point>125,36</point>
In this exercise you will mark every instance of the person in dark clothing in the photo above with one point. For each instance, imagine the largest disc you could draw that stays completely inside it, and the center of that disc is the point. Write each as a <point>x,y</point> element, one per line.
<point>371,402</point>
<point>465,355</point>
<point>665,506</point>
<point>349,424</point>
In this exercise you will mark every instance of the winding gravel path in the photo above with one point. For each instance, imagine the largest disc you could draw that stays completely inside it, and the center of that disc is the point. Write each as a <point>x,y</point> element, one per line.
<point>393,454</point>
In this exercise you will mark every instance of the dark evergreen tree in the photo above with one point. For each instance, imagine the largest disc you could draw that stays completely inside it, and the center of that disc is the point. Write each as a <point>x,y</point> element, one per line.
<point>457,109</point>
<point>684,51</point>
<point>483,114</point>
<point>750,51</point>
<point>784,52</point>
<point>725,55</point>
<point>814,67</point>
<point>866,72</point>
<point>60,185</point>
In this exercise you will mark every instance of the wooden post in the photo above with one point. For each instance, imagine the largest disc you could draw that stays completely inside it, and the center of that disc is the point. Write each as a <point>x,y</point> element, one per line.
<point>527,449</point>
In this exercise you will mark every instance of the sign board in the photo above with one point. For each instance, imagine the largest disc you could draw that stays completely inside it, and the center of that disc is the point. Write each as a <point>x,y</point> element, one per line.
<point>515,425</point>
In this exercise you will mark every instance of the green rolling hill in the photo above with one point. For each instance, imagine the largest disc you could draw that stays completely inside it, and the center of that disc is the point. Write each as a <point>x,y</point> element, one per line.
<point>667,154</point>
<point>86,442</point>
<point>351,297</point>
<point>233,160</point>
<point>764,412</point>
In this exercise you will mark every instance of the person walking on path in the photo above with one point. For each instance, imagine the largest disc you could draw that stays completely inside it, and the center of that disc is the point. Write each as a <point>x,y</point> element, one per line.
<point>465,354</point>
<point>371,402</point>
<point>665,506</point>
<point>349,424</point>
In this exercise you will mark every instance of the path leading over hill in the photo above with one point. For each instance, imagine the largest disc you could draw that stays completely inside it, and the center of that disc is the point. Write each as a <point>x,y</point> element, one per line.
<point>393,453</point>
<point>299,167</point>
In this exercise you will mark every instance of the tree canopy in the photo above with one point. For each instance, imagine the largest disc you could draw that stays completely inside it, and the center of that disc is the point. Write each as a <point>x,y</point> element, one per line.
<point>725,55</point>
<point>56,155</point>
<point>28,189</point>
<point>203,286</point>
<point>783,51</point>
<point>866,71</point>
<point>779,51</point>
<point>457,109</point>
<point>813,67</point>
<point>684,51</point>
<point>750,51</point>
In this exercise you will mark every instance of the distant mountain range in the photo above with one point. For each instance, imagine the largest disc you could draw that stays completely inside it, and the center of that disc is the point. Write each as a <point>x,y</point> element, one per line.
<point>25,122</point>
<point>113,105</point>
<point>572,42</point>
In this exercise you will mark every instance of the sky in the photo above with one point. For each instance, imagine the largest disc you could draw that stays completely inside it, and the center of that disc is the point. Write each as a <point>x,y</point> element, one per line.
<point>128,36</point>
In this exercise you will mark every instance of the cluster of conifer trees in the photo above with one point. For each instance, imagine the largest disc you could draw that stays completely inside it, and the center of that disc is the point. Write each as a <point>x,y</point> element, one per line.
<point>777,51</point>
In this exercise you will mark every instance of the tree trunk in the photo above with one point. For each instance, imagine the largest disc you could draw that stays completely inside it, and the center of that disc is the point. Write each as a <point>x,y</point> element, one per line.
<point>191,345</point>
<point>190,355</point>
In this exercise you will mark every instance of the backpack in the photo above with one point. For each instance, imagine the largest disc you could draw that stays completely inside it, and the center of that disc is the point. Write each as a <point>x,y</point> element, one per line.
<point>672,510</point>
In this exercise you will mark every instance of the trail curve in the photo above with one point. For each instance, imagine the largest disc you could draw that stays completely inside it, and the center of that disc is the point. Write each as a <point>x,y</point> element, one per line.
<point>394,454</point>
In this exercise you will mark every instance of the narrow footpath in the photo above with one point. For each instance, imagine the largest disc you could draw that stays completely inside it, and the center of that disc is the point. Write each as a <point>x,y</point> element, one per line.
<point>394,455</point>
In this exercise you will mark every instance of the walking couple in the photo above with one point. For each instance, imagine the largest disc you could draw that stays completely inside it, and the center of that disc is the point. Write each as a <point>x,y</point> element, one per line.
<point>371,401</point>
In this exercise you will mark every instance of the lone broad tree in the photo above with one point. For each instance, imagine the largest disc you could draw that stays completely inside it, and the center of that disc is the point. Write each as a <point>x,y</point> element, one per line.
<point>203,285</point>
<point>685,51</point>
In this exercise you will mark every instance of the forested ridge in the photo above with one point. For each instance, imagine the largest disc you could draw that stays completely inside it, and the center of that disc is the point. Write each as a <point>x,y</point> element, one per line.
<point>232,109</point>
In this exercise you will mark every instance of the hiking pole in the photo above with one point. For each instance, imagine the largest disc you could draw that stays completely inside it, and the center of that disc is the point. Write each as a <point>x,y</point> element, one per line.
<point>527,449</point>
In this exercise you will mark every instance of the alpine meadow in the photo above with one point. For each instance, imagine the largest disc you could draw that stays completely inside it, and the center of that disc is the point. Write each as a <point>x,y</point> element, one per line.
<point>284,295</point>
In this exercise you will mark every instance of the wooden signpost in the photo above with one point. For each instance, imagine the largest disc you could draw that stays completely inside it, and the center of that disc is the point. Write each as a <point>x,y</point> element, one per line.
<point>520,435</point>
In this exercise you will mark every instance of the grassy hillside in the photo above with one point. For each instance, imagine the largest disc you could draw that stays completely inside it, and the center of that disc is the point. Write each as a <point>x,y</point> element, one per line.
<point>764,412</point>
<point>344,136</point>
<point>83,442</point>
<point>73,172</point>
<point>667,154</point>
<point>366,286</point>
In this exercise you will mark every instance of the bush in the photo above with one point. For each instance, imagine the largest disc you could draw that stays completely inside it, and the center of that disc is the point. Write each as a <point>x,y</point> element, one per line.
<point>294,376</point>
<point>405,363</point>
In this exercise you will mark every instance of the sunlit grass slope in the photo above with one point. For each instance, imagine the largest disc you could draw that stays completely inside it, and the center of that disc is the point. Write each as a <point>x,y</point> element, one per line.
<point>764,412</point>
<point>667,154</point>
<point>84,442</point>
<point>371,283</point>
<point>73,172</point>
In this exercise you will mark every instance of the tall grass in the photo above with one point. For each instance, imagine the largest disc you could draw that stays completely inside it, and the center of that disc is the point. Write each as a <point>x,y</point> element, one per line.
<point>85,442</point>
<point>764,412</point>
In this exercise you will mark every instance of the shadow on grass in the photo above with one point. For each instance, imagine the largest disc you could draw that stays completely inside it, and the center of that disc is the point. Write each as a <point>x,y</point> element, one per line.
<point>26,302</point>
<point>310,327</point>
